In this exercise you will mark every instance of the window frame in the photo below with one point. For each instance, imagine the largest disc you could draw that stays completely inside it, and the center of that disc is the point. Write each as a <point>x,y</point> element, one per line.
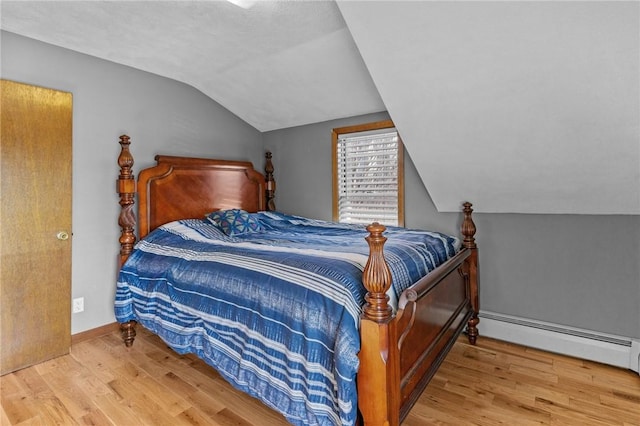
<point>367,127</point>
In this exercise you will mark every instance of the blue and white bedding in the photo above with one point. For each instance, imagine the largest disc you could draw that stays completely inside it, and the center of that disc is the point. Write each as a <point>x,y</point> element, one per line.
<point>276,312</point>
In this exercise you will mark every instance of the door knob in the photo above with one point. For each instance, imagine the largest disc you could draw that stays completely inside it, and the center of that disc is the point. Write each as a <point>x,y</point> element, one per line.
<point>62,235</point>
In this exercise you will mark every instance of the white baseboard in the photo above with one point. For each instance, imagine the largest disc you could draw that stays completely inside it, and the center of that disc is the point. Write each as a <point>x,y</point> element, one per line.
<point>634,356</point>
<point>619,351</point>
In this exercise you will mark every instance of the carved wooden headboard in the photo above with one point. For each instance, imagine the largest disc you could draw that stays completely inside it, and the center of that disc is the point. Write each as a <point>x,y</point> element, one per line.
<point>187,188</point>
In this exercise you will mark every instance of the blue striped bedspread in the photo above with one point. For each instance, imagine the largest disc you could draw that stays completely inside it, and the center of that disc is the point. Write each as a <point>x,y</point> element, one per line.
<point>276,312</point>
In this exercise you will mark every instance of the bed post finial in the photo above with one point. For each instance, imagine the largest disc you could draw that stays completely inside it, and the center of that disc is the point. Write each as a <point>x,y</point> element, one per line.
<point>468,230</point>
<point>126,189</point>
<point>270,183</point>
<point>376,276</point>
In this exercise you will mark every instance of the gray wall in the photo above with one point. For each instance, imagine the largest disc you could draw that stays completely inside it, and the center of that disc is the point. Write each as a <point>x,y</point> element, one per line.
<point>576,270</point>
<point>161,116</point>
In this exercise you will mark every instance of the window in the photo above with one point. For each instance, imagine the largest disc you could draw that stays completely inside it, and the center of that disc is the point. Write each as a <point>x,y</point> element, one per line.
<point>368,174</point>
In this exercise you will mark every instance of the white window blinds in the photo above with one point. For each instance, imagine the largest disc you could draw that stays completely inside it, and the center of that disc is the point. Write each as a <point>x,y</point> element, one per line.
<point>368,183</point>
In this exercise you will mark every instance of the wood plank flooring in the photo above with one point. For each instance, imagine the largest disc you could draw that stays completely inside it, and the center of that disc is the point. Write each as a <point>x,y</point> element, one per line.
<point>494,383</point>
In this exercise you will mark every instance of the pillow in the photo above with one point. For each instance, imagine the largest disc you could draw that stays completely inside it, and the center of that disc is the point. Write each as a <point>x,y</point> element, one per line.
<point>235,221</point>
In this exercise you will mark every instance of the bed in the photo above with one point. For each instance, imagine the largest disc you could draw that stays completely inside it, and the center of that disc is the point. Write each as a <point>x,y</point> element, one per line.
<point>360,343</point>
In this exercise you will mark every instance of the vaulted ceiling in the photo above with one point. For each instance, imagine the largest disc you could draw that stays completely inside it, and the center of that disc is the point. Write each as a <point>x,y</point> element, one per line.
<point>528,107</point>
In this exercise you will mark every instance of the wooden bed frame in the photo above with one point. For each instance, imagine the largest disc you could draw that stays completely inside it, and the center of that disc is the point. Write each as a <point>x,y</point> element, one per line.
<point>400,351</point>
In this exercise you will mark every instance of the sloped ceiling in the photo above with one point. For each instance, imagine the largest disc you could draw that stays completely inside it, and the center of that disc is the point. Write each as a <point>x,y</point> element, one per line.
<point>536,104</point>
<point>528,107</point>
<point>277,64</point>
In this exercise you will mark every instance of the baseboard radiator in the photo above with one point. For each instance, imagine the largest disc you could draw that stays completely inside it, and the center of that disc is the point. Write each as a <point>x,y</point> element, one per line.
<point>618,351</point>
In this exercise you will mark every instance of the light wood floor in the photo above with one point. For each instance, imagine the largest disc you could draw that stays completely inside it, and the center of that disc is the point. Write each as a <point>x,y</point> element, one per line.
<point>493,383</point>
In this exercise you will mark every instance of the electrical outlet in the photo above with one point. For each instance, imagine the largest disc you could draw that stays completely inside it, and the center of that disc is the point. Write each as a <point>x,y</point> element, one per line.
<point>78,305</point>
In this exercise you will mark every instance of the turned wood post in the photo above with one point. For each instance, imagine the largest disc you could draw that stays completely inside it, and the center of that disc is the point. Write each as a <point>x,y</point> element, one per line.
<point>270,183</point>
<point>378,375</point>
<point>376,276</point>
<point>468,230</point>
<point>126,189</point>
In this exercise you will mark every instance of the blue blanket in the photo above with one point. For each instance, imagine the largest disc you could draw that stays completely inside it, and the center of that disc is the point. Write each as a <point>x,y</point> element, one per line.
<point>276,312</point>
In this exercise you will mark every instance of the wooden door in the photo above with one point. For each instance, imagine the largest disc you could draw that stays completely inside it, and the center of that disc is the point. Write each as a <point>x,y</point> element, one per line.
<point>35,225</point>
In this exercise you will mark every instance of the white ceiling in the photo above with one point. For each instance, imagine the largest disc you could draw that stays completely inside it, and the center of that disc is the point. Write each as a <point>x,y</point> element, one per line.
<point>528,107</point>
<point>277,64</point>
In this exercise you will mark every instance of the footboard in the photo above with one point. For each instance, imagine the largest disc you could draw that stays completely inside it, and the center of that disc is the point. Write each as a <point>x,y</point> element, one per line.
<point>400,353</point>
<point>430,317</point>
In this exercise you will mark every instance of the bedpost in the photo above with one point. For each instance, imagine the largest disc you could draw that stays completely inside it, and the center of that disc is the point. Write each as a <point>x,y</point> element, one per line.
<point>126,189</point>
<point>378,375</point>
<point>468,230</point>
<point>270,183</point>
<point>376,276</point>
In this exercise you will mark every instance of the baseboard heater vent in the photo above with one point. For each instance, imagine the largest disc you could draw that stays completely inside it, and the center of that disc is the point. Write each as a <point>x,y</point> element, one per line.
<point>586,344</point>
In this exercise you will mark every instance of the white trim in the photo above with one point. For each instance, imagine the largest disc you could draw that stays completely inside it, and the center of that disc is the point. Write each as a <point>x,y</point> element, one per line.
<point>634,356</point>
<point>609,349</point>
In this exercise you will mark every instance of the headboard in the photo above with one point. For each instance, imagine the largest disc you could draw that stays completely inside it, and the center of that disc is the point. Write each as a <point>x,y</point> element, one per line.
<point>187,188</point>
